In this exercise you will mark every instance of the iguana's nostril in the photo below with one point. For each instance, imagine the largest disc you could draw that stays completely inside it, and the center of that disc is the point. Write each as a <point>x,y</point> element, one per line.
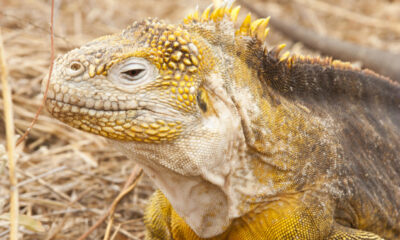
<point>76,68</point>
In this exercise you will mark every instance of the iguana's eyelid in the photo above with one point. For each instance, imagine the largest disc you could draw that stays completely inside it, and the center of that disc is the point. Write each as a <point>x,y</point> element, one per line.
<point>119,74</point>
<point>131,66</point>
<point>133,74</point>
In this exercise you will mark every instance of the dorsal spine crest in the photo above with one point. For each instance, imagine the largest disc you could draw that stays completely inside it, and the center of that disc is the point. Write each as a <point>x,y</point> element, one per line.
<point>257,29</point>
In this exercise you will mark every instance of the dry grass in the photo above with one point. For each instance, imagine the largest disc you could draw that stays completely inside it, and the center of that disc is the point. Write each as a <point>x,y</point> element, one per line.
<point>68,179</point>
<point>9,125</point>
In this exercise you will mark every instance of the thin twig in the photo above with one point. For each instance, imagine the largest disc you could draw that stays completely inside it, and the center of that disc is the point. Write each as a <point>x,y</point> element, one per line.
<point>115,232</point>
<point>134,177</point>
<point>52,171</point>
<point>46,184</point>
<point>129,185</point>
<point>2,234</point>
<point>10,131</point>
<point>109,226</point>
<point>22,138</point>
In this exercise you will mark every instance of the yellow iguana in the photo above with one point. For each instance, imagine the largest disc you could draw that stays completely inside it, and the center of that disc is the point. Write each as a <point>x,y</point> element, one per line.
<point>243,143</point>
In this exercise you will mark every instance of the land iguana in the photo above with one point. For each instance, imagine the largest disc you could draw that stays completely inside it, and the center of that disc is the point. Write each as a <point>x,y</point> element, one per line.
<point>243,142</point>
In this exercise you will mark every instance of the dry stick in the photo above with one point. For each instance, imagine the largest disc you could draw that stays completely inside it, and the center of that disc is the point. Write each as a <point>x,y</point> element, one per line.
<point>116,232</point>
<point>383,62</point>
<point>22,138</point>
<point>130,184</point>
<point>109,226</point>
<point>9,120</point>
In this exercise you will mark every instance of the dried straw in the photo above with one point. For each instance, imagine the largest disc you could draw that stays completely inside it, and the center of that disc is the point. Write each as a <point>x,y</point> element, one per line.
<point>128,187</point>
<point>9,120</point>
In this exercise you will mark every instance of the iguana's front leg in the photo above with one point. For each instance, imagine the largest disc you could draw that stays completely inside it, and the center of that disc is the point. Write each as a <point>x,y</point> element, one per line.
<point>157,218</point>
<point>288,218</point>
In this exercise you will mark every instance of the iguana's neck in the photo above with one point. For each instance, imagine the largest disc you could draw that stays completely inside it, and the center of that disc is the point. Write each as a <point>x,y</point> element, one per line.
<point>195,172</point>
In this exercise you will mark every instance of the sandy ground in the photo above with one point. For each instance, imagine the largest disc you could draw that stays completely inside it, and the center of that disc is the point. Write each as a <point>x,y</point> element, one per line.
<point>82,175</point>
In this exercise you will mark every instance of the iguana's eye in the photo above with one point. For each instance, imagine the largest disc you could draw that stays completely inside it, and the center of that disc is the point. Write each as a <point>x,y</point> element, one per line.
<point>131,73</point>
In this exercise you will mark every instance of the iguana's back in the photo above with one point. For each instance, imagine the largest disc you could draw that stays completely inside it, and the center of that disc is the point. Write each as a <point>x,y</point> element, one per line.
<point>365,109</point>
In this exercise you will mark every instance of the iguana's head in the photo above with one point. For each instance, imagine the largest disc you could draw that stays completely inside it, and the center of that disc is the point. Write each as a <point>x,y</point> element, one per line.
<point>142,85</point>
<point>161,93</point>
<point>153,83</point>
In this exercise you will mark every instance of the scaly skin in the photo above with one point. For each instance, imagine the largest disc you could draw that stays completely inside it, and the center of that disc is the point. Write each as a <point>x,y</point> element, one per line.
<point>242,143</point>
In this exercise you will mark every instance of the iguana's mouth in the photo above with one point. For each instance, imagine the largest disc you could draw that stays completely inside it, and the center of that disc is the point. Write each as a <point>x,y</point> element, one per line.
<point>126,125</point>
<point>56,106</point>
<point>83,109</point>
<point>92,102</point>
